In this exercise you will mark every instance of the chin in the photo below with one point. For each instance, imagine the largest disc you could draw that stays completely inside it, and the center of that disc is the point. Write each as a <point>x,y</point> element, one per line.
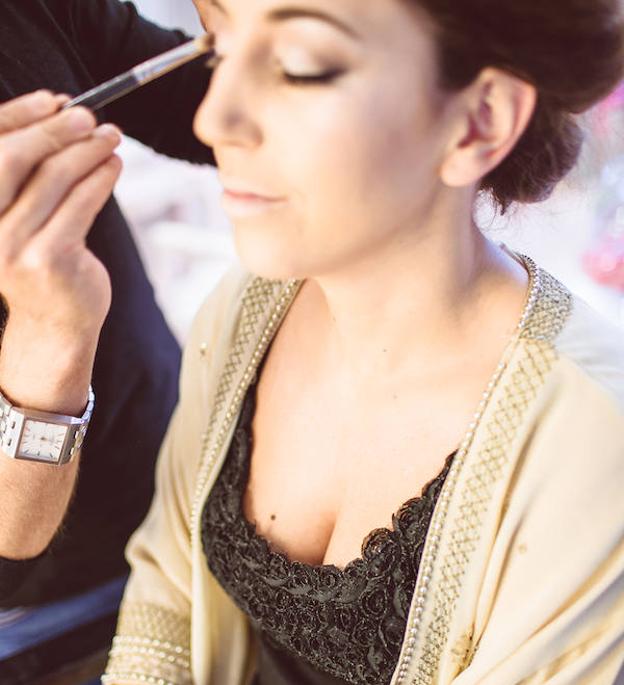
<point>267,254</point>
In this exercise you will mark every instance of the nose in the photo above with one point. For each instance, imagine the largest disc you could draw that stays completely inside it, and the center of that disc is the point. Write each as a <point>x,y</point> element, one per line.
<point>226,114</point>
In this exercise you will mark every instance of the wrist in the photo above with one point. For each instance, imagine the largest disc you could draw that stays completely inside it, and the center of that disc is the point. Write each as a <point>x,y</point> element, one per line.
<point>44,373</point>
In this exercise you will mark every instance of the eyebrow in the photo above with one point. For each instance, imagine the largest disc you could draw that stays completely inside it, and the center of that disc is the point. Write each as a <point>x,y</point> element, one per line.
<point>286,13</point>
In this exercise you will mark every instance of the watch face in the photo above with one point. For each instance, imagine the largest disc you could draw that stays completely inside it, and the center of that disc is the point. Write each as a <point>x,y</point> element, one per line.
<point>42,441</point>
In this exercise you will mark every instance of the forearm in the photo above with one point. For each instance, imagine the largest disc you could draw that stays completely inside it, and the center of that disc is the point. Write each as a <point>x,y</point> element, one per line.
<point>44,376</point>
<point>57,171</point>
<point>34,500</point>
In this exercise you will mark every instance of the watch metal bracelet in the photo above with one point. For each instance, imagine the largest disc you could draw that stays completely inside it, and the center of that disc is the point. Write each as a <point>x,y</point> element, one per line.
<point>31,435</point>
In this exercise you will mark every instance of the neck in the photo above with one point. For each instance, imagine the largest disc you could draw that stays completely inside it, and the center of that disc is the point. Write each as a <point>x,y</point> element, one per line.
<point>420,306</point>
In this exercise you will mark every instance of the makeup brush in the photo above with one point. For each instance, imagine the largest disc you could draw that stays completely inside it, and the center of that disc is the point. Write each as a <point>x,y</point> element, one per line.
<point>143,73</point>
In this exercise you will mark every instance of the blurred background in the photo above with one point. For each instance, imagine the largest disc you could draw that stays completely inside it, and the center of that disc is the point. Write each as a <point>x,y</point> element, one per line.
<point>185,240</point>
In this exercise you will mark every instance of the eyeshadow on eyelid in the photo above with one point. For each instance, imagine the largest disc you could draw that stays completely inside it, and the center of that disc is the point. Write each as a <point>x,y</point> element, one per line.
<point>306,62</point>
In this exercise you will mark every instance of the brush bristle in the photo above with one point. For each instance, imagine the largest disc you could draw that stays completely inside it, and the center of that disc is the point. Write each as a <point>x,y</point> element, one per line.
<point>206,42</point>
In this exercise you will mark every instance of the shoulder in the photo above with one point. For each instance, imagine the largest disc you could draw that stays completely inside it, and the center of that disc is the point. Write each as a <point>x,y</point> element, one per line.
<point>238,306</point>
<point>240,312</point>
<point>594,347</point>
<point>584,348</point>
<point>214,326</point>
<point>222,305</point>
<point>569,376</point>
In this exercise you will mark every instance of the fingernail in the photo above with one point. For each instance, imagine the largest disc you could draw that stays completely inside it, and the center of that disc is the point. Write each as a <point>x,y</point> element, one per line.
<point>80,120</point>
<point>61,100</point>
<point>108,131</point>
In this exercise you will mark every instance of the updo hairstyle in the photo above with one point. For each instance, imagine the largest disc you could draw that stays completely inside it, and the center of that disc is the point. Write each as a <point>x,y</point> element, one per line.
<point>572,51</point>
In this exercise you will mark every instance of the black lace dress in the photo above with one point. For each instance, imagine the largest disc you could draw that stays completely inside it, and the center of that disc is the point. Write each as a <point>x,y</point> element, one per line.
<point>316,625</point>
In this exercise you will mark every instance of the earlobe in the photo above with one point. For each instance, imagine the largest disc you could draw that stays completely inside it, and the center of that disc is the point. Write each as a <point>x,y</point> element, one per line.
<point>495,111</point>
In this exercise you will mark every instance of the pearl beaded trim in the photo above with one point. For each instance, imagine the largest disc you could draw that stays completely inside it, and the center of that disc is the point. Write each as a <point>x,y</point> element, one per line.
<point>211,454</point>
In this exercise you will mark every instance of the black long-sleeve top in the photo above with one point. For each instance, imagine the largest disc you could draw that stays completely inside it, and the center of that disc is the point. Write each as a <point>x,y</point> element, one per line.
<point>69,46</point>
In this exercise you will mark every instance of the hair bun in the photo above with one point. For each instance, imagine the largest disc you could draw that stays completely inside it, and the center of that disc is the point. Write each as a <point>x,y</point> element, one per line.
<point>571,50</point>
<point>546,153</point>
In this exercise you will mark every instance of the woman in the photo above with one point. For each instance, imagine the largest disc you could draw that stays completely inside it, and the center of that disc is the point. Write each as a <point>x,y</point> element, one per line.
<point>385,357</point>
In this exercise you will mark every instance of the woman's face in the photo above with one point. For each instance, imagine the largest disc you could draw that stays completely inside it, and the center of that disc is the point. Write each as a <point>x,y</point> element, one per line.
<point>327,126</point>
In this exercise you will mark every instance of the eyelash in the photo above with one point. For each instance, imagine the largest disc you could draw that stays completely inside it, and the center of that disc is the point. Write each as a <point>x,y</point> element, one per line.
<point>321,79</point>
<point>292,79</point>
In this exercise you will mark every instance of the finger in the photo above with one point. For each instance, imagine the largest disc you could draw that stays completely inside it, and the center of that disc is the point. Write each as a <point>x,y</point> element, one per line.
<point>27,109</point>
<point>62,100</point>
<point>22,150</point>
<point>52,182</point>
<point>73,219</point>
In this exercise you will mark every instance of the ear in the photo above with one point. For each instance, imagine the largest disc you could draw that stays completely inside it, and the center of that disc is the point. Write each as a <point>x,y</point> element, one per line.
<point>492,114</point>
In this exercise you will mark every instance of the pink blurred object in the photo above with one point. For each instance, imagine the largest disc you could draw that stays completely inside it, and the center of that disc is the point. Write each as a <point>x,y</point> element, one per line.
<point>603,112</point>
<point>604,262</point>
<point>616,99</point>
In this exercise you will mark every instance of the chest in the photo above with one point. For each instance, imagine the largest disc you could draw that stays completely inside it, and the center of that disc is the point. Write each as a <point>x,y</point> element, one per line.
<point>323,476</point>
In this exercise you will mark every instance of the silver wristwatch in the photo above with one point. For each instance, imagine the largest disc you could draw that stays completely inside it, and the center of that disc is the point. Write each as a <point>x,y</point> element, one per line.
<point>41,436</point>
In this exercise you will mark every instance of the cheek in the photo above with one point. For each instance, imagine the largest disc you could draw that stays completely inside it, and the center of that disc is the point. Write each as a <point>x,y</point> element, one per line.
<point>356,168</point>
<point>358,158</point>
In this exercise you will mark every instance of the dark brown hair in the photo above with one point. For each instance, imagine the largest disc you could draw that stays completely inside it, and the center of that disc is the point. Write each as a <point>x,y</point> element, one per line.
<point>572,51</point>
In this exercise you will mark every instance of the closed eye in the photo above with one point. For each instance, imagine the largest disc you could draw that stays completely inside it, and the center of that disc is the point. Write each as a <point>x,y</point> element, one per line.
<point>294,79</point>
<point>311,79</point>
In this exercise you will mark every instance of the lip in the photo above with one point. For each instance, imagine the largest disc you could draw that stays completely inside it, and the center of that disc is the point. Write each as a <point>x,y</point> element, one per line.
<point>240,190</point>
<point>240,200</point>
<point>248,196</point>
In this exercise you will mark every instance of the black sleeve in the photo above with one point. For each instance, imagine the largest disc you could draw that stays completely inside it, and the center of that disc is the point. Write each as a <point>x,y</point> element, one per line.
<point>13,574</point>
<point>110,37</point>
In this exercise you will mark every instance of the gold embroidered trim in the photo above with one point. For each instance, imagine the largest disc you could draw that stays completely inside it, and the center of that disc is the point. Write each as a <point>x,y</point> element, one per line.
<point>152,646</point>
<point>547,309</point>
<point>260,297</point>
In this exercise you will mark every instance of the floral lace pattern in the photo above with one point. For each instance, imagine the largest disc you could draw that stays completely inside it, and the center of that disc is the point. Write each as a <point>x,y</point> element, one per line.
<point>348,623</point>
